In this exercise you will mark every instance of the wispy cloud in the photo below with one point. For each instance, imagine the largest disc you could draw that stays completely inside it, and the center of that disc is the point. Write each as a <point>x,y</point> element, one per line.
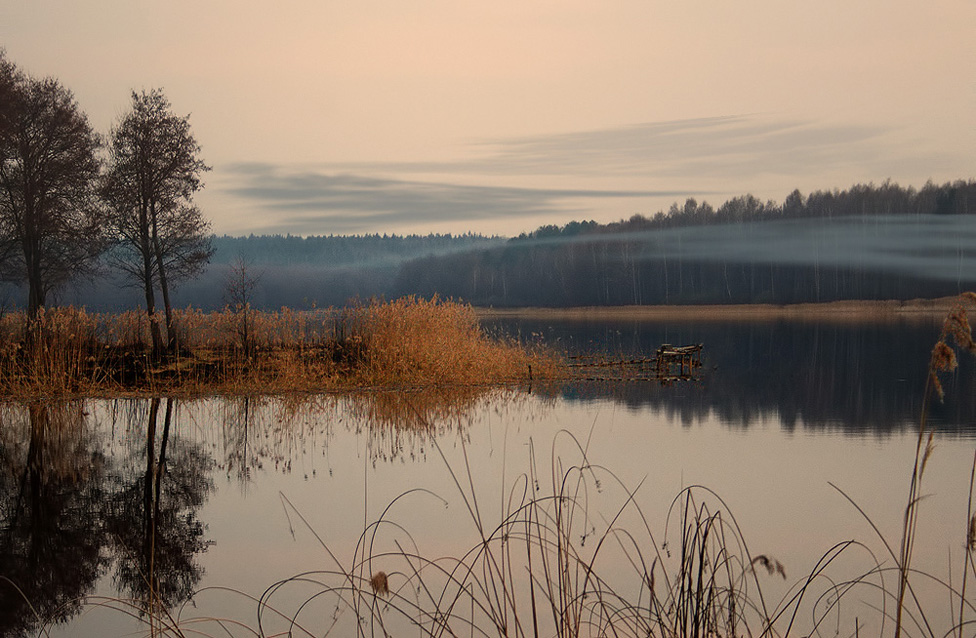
<point>727,147</point>
<point>666,161</point>
<point>307,200</point>
<point>709,147</point>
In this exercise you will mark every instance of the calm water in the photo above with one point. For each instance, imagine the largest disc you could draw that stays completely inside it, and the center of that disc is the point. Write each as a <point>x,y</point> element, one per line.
<point>252,492</point>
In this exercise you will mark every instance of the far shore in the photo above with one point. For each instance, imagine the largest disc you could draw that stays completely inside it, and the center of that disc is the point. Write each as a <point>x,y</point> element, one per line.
<point>919,310</point>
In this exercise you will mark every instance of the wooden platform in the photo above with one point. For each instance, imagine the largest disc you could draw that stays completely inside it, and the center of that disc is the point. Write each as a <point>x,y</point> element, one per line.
<point>669,363</point>
<point>677,359</point>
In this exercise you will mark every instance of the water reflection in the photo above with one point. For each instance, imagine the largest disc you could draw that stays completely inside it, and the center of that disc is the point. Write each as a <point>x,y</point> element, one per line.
<point>269,432</point>
<point>119,497</point>
<point>857,377</point>
<point>151,514</point>
<point>52,479</point>
<point>401,425</point>
<point>71,506</point>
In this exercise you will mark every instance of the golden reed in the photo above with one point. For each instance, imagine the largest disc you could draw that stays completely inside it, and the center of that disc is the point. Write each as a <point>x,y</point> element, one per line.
<point>408,342</point>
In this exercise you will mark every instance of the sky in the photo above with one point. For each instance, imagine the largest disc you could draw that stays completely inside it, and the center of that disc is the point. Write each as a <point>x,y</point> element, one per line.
<point>452,116</point>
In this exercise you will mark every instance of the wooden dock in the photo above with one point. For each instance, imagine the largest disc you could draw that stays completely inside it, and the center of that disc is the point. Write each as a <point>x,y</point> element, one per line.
<point>669,363</point>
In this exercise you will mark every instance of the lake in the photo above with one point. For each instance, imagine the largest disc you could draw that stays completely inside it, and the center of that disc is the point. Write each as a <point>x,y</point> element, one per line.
<point>274,499</point>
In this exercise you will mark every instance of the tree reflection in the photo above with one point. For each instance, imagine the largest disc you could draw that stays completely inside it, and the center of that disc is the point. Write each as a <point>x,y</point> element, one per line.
<point>818,374</point>
<point>152,515</point>
<point>52,481</point>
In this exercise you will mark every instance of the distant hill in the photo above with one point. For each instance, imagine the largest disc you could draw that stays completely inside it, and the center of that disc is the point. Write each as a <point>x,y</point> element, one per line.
<point>866,242</point>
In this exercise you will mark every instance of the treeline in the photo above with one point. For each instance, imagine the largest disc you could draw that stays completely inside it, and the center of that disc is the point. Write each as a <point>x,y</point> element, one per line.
<point>319,271</point>
<point>342,250</point>
<point>288,270</point>
<point>950,198</point>
<point>867,242</point>
<point>609,273</point>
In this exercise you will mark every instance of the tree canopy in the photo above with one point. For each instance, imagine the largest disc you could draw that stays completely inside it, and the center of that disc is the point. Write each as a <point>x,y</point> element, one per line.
<point>154,170</point>
<point>51,221</point>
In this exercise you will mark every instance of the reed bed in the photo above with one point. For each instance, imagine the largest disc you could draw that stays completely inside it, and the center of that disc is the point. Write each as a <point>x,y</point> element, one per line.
<point>407,342</point>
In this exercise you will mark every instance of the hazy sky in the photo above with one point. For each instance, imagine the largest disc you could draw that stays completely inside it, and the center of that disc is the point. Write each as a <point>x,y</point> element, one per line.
<point>357,116</point>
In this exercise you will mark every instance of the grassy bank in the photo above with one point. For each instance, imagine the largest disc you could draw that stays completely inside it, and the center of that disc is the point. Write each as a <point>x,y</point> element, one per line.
<point>408,342</point>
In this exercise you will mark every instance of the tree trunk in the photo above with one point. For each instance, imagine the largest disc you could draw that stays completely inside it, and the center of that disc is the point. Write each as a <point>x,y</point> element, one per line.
<point>35,295</point>
<point>35,289</point>
<point>149,522</point>
<point>171,333</point>
<point>147,274</point>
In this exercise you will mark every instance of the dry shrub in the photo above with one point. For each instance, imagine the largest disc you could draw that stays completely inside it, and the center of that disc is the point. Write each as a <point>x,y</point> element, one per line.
<point>124,330</point>
<point>438,342</point>
<point>53,355</point>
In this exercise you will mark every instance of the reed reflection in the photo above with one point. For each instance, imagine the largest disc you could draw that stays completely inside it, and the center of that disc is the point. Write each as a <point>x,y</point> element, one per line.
<point>53,477</point>
<point>240,455</point>
<point>402,424</point>
<point>269,433</point>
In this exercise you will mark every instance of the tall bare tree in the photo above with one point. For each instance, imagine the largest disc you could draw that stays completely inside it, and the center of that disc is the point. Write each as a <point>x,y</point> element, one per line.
<point>154,170</point>
<point>51,224</point>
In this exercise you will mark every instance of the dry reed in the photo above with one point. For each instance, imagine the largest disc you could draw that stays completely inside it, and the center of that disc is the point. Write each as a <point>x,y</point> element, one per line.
<point>407,342</point>
<point>956,332</point>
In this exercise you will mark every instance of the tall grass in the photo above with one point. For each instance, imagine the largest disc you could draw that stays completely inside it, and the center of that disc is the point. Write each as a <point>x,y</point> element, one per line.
<point>405,342</point>
<point>554,565</point>
<point>956,332</point>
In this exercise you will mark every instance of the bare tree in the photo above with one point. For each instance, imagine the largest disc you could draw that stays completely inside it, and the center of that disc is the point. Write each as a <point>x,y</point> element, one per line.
<point>239,286</point>
<point>154,170</point>
<point>8,80</point>
<point>51,224</point>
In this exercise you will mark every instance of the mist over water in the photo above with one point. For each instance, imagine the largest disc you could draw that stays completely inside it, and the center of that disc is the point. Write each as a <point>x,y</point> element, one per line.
<point>931,246</point>
<point>939,247</point>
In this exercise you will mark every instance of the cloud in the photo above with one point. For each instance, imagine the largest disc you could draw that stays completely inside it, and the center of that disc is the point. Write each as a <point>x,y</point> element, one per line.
<point>708,147</point>
<point>655,163</point>
<point>307,200</point>
<point>726,147</point>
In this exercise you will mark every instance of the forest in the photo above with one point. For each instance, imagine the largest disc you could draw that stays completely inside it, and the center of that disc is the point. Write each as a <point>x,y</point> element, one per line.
<point>866,242</point>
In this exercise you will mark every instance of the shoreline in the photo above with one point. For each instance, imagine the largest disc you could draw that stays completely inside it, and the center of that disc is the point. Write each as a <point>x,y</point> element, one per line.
<point>915,310</point>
